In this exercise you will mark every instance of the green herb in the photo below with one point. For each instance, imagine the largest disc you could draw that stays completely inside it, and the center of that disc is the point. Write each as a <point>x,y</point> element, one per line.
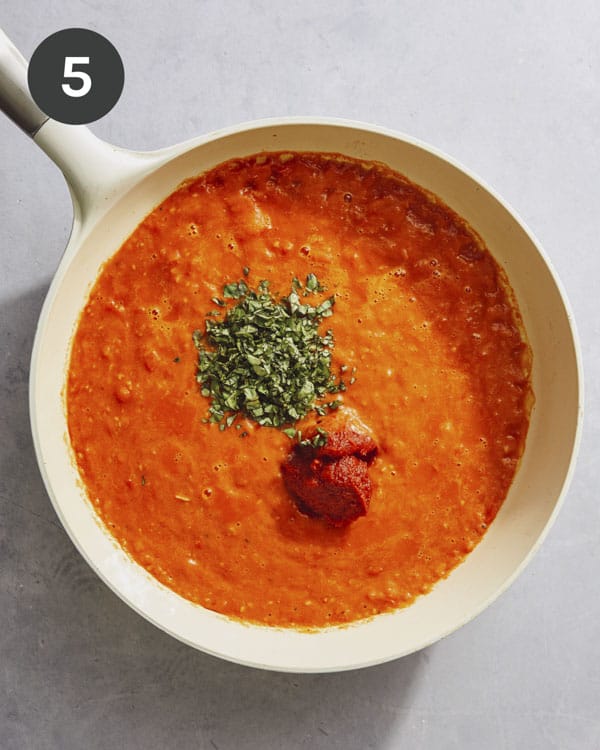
<point>143,480</point>
<point>266,358</point>
<point>235,291</point>
<point>317,441</point>
<point>313,285</point>
<point>245,270</point>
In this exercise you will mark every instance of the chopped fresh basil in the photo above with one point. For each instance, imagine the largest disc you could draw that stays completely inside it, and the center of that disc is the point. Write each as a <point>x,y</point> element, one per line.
<point>266,359</point>
<point>317,441</point>
<point>235,291</point>
<point>313,285</point>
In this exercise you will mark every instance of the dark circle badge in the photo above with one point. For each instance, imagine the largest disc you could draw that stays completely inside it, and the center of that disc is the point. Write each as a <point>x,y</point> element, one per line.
<point>76,76</point>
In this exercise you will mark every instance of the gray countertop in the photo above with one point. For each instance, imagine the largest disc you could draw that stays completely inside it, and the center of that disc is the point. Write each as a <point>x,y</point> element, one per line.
<point>509,89</point>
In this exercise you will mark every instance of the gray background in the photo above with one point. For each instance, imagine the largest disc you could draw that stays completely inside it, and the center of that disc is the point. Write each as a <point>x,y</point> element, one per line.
<point>511,90</point>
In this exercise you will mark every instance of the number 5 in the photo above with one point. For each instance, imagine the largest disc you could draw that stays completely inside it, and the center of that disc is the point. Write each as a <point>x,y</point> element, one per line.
<point>86,81</point>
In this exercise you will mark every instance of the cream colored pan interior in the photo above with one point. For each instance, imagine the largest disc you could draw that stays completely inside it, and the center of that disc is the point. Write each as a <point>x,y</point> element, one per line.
<point>112,191</point>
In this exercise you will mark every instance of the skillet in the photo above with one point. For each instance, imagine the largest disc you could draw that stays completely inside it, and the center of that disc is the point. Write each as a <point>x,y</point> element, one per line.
<point>112,190</point>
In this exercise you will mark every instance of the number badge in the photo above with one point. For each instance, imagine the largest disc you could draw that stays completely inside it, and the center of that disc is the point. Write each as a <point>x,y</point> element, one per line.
<point>76,76</point>
<point>86,81</point>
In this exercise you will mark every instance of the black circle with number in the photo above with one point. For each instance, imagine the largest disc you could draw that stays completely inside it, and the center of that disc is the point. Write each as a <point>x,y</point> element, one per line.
<point>76,76</point>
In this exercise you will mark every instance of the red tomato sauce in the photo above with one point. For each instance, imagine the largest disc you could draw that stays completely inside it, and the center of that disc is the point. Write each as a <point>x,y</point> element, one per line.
<point>422,311</point>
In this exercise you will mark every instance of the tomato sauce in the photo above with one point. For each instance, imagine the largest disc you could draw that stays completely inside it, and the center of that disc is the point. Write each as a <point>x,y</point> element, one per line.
<point>422,311</point>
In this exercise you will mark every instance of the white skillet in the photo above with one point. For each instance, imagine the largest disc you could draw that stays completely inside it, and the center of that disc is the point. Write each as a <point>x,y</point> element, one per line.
<point>112,190</point>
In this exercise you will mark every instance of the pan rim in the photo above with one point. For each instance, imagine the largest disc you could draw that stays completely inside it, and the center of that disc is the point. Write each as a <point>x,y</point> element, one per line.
<point>164,156</point>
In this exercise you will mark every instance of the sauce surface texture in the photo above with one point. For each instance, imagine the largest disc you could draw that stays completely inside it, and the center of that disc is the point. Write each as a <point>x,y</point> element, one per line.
<point>442,379</point>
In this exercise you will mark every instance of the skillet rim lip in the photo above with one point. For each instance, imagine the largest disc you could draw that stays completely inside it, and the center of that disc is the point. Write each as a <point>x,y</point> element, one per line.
<point>164,156</point>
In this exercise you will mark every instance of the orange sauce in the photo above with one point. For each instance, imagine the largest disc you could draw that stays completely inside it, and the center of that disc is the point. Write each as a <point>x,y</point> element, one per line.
<point>442,378</point>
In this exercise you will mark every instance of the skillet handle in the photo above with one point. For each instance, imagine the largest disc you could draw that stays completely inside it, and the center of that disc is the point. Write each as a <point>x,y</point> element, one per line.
<point>15,99</point>
<point>97,173</point>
